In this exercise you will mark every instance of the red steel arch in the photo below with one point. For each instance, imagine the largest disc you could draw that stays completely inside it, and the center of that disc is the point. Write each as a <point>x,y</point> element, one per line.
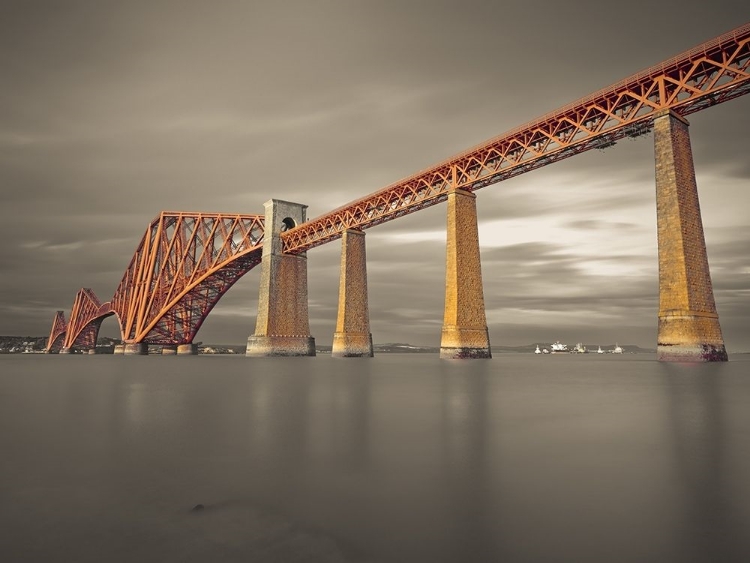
<point>57,334</point>
<point>85,320</point>
<point>183,265</point>
<point>712,73</point>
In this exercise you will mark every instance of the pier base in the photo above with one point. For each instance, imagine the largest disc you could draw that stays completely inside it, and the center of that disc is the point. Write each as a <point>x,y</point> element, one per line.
<point>91,351</point>
<point>119,349</point>
<point>352,338</point>
<point>268,346</point>
<point>282,326</point>
<point>465,334</point>
<point>136,349</point>
<point>187,350</point>
<point>688,323</point>
<point>66,350</point>
<point>169,350</point>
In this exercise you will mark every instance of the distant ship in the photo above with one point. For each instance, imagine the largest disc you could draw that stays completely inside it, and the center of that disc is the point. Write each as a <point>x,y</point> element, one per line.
<point>580,349</point>
<point>600,351</point>
<point>537,351</point>
<point>557,347</point>
<point>617,349</point>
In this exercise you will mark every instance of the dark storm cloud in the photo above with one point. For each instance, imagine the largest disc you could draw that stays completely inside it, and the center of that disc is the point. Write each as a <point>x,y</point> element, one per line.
<point>112,112</point>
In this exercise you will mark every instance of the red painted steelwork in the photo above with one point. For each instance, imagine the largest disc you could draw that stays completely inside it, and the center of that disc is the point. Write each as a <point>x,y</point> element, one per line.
<point>709,74</point>
<point>57,334</point>
<point>85,320</point>
<point>183,265</point>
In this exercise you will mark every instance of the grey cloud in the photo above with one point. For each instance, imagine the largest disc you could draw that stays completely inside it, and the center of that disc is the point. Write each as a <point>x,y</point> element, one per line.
<point>594,225</point>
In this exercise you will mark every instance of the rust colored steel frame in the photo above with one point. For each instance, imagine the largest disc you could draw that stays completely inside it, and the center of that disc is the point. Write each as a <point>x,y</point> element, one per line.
<point>183,265</point>
<point>709,74</point>
<point>57,334</point>
<point>85,320</point>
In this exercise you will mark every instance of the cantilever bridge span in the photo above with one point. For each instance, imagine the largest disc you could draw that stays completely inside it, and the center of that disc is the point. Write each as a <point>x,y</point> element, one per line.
<point>187,261</point>
<point>183,265</point>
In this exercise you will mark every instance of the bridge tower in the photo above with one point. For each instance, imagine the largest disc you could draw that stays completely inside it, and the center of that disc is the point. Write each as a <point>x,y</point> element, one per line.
<point>465,332</point>
<point>282,326</point>
<point>688,323</point>
<point>352,338</point>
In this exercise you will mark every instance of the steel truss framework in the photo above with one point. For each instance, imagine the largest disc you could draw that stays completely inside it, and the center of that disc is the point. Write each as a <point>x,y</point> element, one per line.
<point>712,73</point>
<point>57,334</point>
<point>183,265</point>
<point>85,320</point>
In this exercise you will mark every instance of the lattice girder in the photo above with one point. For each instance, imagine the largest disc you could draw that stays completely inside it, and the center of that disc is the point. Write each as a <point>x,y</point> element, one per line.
<point>709,74</point>
<point>57,334</point>
<point>183,265</point>
<point>85,319</point>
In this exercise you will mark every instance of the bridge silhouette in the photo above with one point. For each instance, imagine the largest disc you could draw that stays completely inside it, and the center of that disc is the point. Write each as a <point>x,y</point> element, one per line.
<point>186,262</point>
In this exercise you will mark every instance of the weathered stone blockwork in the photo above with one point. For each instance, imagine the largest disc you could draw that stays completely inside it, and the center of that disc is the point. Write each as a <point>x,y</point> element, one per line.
<point>282,326</point>
<point>688,323</point>
<point>187,350</point>
<point>465,332</point>
<point>352,338</point>
<point>136,349</point>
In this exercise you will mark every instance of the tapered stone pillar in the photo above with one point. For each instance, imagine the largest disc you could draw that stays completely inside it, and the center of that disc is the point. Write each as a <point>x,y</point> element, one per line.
<point>282,326</point>
<point>688,323</point>
<point>465,332</point>
<point>352,338</point>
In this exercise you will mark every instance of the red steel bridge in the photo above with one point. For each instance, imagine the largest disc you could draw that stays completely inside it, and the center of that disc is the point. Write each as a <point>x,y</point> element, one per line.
<point>187,261</point>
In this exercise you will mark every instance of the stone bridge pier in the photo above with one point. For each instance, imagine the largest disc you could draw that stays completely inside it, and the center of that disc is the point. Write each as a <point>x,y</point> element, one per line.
<point>465,333</point>
<point>282,326</point>
<point>688,323</point>
<point>352,338</point>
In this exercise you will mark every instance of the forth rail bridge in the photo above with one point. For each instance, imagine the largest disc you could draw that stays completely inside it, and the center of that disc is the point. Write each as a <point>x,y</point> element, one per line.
<point>187,261</point>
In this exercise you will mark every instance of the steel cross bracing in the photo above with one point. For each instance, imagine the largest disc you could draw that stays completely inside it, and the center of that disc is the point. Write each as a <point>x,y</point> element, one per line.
<point>712,73</point>
<point>57,334</point>
<point>183,265</point>
<point>85,319</point>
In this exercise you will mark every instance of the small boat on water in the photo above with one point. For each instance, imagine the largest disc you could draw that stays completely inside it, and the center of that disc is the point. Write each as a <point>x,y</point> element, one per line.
<point>558,348</point>
<point>617,349</point>
<point>600,351</point>
<point>537,351</point>
<point>580,349</point>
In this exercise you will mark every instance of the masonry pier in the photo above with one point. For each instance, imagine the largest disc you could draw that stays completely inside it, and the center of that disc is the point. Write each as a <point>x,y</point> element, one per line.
<point>282,326</point>
<point>136,349</point>
<point>688,323</point>
<point>119,349</point>
<point>189,349</point>
<point>352,338</point>
<point>465,333</point>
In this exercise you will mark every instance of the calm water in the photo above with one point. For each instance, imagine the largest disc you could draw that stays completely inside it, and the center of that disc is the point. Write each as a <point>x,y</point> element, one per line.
<point>400,458</point>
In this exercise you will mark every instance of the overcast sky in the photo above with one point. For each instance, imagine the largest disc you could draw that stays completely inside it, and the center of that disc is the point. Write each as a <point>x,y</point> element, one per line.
<point>111,112</point>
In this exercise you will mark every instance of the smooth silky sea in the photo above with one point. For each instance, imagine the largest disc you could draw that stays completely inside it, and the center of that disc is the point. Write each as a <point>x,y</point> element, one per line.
<point>522,458</point>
